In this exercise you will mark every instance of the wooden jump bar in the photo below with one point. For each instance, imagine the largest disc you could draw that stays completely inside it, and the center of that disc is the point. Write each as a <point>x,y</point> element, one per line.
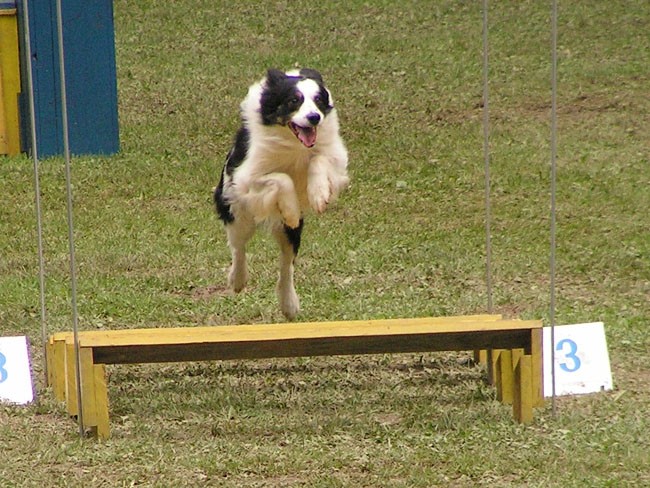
<point>520,338</point>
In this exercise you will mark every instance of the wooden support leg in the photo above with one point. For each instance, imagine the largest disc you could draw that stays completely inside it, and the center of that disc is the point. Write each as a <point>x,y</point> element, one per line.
<point>4,147</point>
<point>505,377</point>
<point>481,356</point>
<point>493,360</point>
<point>49,359</point>
<point>57,371</point>
<point>101,401</point>
<point>70,379</point>
<point>88,403</point>
<point>523,398</point>
<point>94,395</point>
<point>59,366</point>
<point>516,354</point>
<point>537,352</point>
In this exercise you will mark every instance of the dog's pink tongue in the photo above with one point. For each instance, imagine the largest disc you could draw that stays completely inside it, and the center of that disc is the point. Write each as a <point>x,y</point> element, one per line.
<point>307,135</point>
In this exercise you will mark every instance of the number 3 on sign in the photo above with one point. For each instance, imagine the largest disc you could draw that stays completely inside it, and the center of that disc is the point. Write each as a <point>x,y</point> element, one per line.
<point>3,372</point>
<point>574,364</point>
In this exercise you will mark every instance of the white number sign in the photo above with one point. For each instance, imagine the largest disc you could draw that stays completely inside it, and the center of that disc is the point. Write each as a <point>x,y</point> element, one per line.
<point>15,373</point>
<point>581,359</point>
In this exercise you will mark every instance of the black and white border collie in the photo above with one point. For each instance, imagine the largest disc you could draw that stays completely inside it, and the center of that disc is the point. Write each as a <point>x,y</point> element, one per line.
<point>287,157</point>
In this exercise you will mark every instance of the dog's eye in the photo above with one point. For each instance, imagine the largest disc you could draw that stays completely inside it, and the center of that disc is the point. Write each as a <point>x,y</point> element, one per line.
<point>296,99</point>
<point>318,99</point>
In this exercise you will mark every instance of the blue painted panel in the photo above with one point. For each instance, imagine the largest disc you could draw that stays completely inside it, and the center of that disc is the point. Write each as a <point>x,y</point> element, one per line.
<point>91,76</point>
<point>91,85</point>
<point>45,77</point>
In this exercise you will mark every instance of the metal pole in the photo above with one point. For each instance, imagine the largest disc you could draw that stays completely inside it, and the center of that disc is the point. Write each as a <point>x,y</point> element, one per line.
<point>68,177</point>
<point>552,263</point>
<point>486,154</point>
<point>37,183</point>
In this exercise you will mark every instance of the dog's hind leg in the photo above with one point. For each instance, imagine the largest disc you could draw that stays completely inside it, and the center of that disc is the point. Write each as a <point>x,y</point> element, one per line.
<point>239,233</point>
<point>289,240</point>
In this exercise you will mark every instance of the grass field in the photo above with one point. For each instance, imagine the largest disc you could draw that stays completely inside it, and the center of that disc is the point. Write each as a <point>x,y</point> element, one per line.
<point>407,239</point>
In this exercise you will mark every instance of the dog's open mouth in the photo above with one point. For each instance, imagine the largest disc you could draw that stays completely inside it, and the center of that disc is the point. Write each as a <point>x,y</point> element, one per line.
<point>306,135</point>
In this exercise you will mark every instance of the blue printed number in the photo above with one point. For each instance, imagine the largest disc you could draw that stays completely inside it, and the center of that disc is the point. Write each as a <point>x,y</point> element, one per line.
<point>570,355</point>
<point>3,372</point>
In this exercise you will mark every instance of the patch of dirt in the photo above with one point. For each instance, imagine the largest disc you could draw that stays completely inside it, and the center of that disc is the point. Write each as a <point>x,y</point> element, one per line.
<point>582,104</point>
<point>577,108</point>
<point>388,419</point>
<point>209,292</point>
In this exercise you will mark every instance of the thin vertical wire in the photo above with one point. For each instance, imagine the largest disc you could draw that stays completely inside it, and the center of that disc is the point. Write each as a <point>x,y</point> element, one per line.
<point>486,154</point>
<point>37,182</point>
<point>68,178</point>
<point>552,263</point>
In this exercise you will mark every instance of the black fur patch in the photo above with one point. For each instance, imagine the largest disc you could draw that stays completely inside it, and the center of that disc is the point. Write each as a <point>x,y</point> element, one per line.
<point>312,74</point>
<point>323,101</point>
<point>280,98</point>
<point>238,151</point>
<point>294,236</point>
<point>235,157</point>
<point>223,207</point>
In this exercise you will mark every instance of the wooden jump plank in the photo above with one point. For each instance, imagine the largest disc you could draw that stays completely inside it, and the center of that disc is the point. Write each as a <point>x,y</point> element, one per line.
<point>500,337</point>
<point>293,340</point>
<point>304,330</point>
<point>193,350</point>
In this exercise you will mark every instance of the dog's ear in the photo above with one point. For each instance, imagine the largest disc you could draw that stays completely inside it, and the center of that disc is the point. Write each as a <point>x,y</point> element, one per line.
<point>274,76</point>
<point>312,74</point>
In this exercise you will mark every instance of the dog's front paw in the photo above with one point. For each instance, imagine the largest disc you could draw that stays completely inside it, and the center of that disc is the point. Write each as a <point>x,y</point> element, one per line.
<point>289,302</point>
<point>237,278</point>
<point>319,197</point>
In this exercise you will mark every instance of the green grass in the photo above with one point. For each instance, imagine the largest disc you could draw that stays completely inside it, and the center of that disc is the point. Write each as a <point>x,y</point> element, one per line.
<point>407,80</point>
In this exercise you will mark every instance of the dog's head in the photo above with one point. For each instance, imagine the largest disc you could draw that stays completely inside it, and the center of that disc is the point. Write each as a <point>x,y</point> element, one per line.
<point>296,99</point>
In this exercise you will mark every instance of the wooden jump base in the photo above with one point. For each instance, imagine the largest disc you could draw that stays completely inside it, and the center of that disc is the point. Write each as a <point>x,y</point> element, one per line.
<point>515,352</point>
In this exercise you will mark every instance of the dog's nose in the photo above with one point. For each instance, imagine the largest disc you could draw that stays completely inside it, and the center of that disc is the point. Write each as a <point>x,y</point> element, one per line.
<point>313,118</point>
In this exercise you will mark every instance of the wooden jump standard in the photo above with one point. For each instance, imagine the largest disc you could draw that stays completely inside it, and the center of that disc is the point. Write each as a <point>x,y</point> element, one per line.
<point>515,352</point>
